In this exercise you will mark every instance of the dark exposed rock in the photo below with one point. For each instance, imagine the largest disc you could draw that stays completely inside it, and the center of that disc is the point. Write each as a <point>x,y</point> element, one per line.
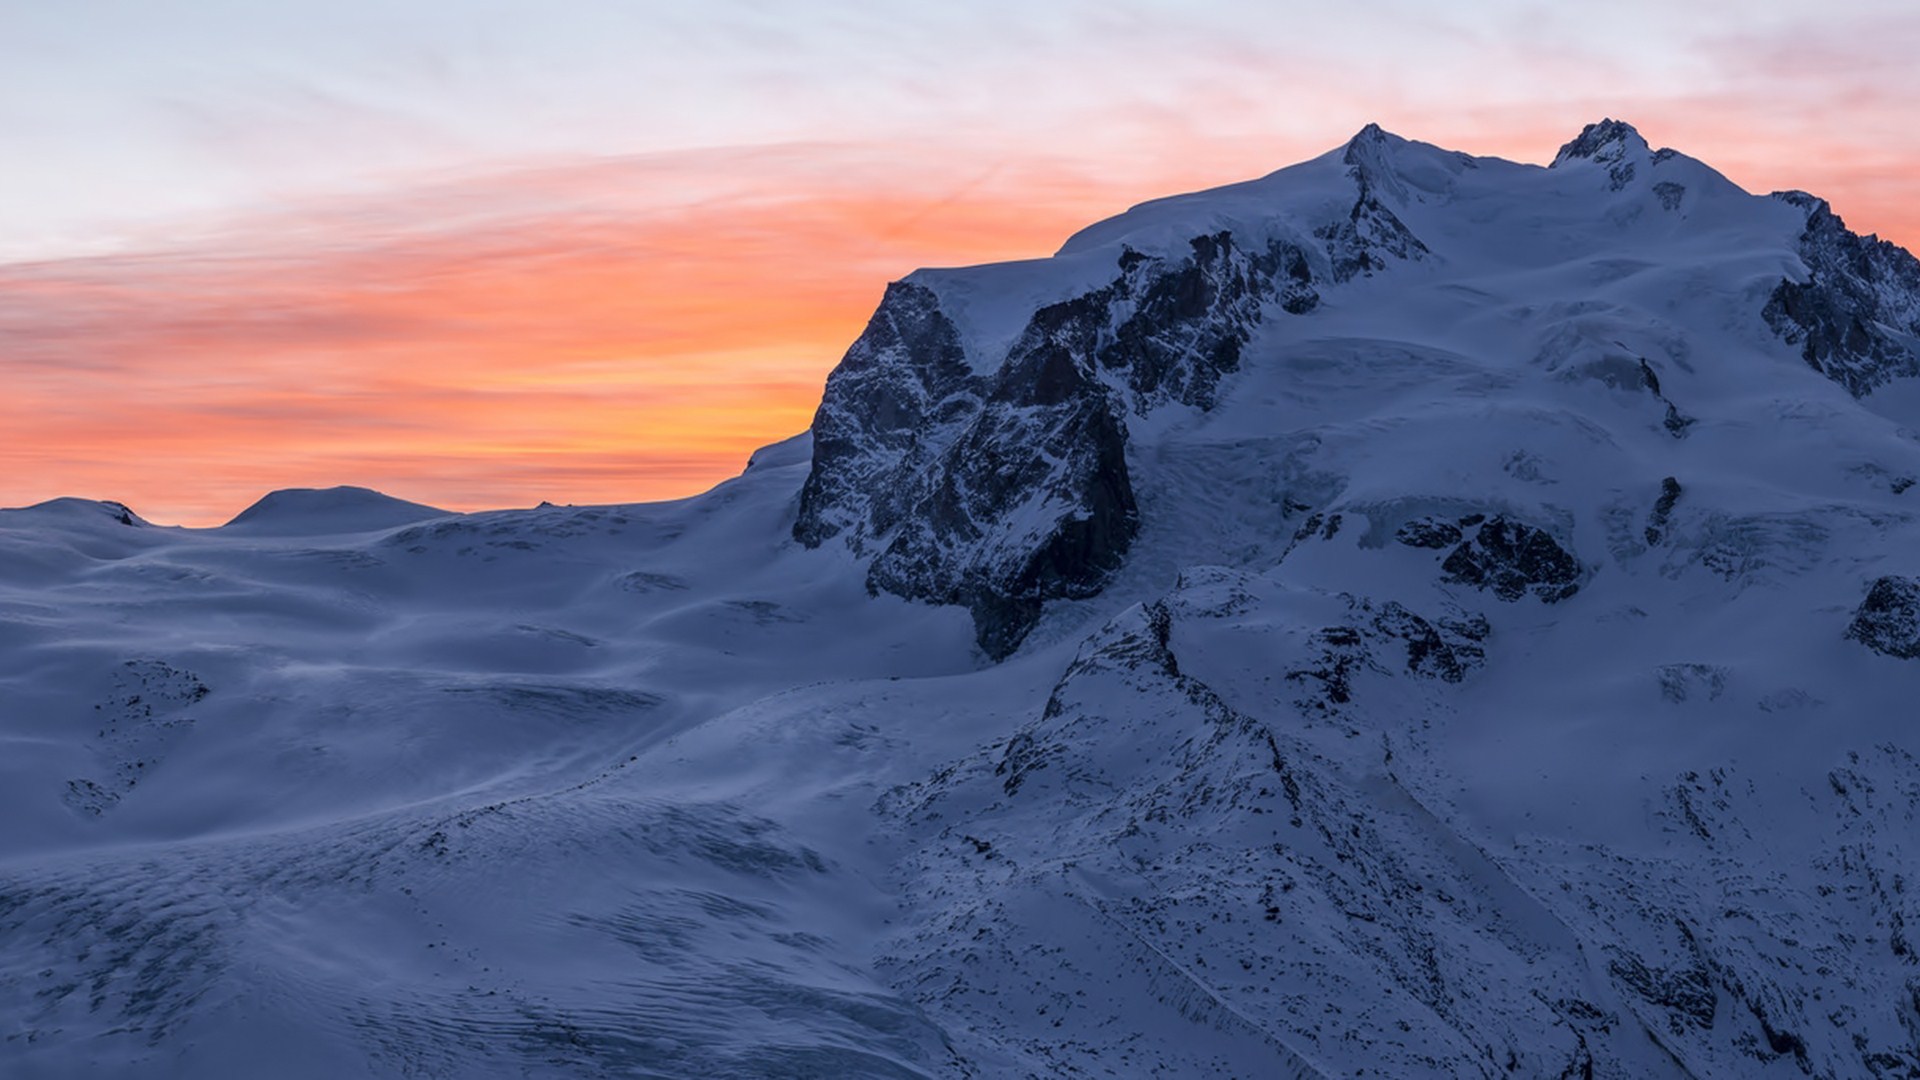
<point>1888,620</point>
<point>1662,510</point>
<point>1360,245</point>
<point>1512,560</point>
<point>953,548</point>
<point>1611,143</point>
<point>1339,652</point>
<point>1364,242</point>
<point>901,380</point>
<point>1670,194</point>
<point>1443,649</point>
<point>1429,532</point>
<point>1649,379</point>
<point>1675,422</point>
<point>1857,315</point>
<point>1190,317</point>
<point>1001,491</point>
<point>1684,994</point>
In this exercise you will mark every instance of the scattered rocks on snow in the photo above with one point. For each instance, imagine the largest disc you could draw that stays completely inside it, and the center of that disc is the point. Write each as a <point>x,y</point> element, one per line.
<point>143,717</point>
<point>1443,649</point>
<point>1682,682</point>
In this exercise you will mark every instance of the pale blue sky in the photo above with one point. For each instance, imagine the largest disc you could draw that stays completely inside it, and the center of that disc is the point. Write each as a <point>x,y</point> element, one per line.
<point>115,113</point>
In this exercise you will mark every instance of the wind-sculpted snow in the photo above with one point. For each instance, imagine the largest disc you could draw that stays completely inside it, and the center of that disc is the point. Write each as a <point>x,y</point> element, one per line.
<point>1409,615</point>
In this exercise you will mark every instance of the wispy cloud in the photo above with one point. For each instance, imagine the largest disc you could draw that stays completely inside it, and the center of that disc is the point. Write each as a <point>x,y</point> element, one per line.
<point>596,332</point>
<point>631,324</point>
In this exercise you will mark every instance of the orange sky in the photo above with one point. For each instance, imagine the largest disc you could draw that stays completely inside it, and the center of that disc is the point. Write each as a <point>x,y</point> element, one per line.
<point>606,331</point>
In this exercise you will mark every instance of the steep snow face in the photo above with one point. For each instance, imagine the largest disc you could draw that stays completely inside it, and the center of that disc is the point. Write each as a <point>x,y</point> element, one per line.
<point>975,465</point>
<point>1453,626</point>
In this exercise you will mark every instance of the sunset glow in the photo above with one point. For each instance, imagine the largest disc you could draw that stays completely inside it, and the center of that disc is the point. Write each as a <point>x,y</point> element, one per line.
<point>581,326</point>
<point>573,358</point>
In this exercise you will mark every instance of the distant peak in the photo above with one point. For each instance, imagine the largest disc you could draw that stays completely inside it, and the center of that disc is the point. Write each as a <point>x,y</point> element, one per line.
<point>320,511</point>
<point>1365,146</point>
<point>1607,141</point>
<point>88,510</point>
<point>1370,155</point>
<point>1613,145</point>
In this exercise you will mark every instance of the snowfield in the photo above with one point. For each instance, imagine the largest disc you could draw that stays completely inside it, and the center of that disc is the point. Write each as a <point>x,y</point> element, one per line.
<point>1409,615</point>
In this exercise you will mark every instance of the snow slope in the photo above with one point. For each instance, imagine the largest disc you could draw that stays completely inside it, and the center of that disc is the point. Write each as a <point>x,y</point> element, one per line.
<point>1412,614</point>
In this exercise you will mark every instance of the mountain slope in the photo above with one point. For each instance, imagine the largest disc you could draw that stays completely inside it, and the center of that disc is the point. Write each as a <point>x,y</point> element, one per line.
<point>1411,613</point>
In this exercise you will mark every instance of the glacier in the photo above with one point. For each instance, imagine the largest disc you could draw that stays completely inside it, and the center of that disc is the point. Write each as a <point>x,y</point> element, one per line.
<point>1412,614</point>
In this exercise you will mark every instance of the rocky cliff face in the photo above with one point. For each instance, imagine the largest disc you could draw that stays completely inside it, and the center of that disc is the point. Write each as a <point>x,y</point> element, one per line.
<point>1004,485</point>
<point>1856,316</point>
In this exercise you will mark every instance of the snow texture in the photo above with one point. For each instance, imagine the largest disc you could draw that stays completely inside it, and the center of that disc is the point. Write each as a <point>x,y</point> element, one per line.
<point>1410,615</point>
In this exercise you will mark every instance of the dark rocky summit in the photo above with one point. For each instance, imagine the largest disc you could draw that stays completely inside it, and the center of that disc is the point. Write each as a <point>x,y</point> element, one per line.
<point>1615,145</point>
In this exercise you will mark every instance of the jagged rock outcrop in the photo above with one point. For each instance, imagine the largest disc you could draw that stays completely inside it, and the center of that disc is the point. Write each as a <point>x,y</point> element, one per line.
<point>1856,317</point>
<point>1662,515</point>
<point>1618,148</point>
<point>1888,620</point>
<point>1442,648</point>
<point>1003,488</point>
<point>1509,558</point>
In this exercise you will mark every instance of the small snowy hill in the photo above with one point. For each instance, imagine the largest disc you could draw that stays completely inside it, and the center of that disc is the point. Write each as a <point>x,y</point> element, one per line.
<point>327,512</point>
<point>1411,614</point>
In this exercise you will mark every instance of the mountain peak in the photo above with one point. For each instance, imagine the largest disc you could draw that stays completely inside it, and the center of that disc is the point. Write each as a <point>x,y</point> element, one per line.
<point>1612,144</point>
<point>1372,156</point>
<point>1607,142</point>
<point>1372,135</point>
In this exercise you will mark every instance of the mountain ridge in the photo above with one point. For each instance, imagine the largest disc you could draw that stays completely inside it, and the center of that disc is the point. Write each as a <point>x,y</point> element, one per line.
<point>1170,324</point>
<point>1247,643</point>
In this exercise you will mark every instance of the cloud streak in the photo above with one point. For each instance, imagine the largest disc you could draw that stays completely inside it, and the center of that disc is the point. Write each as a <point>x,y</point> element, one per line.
<point>507,319</point>
<point>595,331</point>
<point>602,332</point>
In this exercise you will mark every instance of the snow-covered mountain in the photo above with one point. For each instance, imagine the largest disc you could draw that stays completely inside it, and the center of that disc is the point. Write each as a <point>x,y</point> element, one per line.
<point>1410,615</point>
